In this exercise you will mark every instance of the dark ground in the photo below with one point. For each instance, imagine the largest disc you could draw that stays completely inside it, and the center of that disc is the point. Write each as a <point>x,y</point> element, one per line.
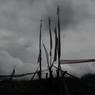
<point>83,86</point>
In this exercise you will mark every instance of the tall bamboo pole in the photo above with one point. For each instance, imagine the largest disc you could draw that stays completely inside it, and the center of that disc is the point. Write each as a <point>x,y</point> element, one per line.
<point>56,45</point>
<point>59,39</point>
<point>40,51</point>
<point>49,22</point>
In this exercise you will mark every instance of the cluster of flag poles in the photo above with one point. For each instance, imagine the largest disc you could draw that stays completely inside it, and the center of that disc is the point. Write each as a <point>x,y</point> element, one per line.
<point>52,58</point>
<point>57,49</point>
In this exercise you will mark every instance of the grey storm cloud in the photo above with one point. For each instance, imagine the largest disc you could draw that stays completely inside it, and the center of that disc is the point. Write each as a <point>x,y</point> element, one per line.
<point>19,31</point>
<point>72,12</point>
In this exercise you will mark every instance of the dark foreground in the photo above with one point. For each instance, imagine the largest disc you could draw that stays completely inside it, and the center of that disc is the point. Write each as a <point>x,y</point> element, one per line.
<point>68,86</point>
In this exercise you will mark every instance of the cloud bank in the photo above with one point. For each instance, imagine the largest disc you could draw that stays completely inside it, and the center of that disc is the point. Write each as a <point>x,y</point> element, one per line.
<point>19,32</point>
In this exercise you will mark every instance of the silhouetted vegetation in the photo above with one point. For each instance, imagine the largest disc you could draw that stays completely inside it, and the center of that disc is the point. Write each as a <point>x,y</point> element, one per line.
<point>76,86</point>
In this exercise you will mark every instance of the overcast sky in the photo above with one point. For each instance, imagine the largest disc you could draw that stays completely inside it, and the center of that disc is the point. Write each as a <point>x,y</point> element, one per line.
<point>19,29</point>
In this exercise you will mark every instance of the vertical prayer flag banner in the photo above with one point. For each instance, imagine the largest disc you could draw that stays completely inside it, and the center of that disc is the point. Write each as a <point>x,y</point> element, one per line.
<point>56,45</point>
<point>47,56</point>
<point>58,26</point>
<point>39,56</point>
<point>49,22</point>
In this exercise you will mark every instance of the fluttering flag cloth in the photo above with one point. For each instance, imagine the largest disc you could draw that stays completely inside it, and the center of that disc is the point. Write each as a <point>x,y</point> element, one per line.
<point>76,61</point>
